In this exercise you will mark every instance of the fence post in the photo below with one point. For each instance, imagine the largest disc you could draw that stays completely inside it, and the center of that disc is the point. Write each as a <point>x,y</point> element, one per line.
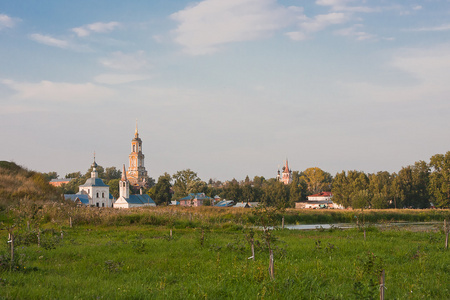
<point>11,240</point>
<point>171,233</point>
<point>253,250</point>
<point>70,222</point>
<point>382,285</point>
<point>271,266</point>
<point>282,223</point>
<point>39,237</point>
<point>446,230</point>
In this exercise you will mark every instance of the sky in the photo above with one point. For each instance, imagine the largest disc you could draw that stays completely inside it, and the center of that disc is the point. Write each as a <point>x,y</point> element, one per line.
<point>225,88</point>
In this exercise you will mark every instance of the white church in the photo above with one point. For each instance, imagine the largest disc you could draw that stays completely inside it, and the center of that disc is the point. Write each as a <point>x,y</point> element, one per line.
<point>94,192</point>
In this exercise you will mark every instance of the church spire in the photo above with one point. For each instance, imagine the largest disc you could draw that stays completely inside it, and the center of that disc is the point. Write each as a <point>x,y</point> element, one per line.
<point>124,174</point>
<point>136,134</point>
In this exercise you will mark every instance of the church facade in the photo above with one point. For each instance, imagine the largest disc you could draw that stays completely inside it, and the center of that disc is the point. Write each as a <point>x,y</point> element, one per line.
<point>126,200</point>
<point>136,174</point>
<point>94,192</point>
<point>286,174</point>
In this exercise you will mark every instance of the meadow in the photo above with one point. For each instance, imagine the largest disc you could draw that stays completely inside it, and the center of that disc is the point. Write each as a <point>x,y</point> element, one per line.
<point>133,255</point>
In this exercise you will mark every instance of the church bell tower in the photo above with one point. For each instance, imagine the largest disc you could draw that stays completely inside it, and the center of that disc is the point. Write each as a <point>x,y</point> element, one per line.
<point>136,174</point>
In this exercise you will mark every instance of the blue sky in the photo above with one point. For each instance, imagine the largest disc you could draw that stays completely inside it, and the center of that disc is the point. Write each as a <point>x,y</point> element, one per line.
<point>225,88</point>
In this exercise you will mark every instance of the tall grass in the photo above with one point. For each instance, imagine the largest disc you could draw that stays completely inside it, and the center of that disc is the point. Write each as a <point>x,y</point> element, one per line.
<point>144,262</point>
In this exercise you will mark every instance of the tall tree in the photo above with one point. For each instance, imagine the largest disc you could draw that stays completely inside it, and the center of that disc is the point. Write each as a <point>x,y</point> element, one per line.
<point>112,173</point>
<point>161,191</point>
<point>439,186</point>
<point>182,179</point>
<point>316,180</point>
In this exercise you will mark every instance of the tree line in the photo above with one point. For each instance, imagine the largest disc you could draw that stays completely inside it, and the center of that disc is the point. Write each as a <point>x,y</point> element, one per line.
<point>420,185</point>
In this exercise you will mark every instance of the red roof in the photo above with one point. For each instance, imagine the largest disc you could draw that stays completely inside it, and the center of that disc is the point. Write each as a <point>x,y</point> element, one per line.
<point>322,194</point>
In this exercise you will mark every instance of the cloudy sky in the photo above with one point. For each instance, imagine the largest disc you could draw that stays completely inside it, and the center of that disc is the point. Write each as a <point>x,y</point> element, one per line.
<point>225,88</point>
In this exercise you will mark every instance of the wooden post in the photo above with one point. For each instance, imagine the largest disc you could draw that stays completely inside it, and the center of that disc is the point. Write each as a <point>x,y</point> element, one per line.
<point>171,233</point>
<point>446,230</point>
<point>282,223</point>
<point>11,240</point>
<point>70,222</point>
<point>271,266</point>
<point>253,250</point>
<point>28,225</point>
<point>39,237</point>
<point>364,233</point>
<point>382,285</point>
<point>201,241</point>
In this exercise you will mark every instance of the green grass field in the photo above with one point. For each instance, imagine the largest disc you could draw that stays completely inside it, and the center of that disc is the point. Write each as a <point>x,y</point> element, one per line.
<point>144,262</point>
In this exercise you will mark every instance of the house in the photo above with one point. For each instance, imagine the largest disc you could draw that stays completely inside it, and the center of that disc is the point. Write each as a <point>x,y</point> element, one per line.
<point>225,203</point>
<point>320,200</point>
<point>242,204</point>
<point>126,200</point>
<point>96,191</point>
<point>59,182</point>
<point>79,199</point>
<point>194,199</point>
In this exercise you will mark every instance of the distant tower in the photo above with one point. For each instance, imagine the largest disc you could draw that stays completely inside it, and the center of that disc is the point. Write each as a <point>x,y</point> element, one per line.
<point>286,175</point>
<point>136,174</point>
<point>124,185</point>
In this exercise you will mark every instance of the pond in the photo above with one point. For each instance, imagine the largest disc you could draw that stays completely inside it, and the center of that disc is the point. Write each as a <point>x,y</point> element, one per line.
<point>409,226</point>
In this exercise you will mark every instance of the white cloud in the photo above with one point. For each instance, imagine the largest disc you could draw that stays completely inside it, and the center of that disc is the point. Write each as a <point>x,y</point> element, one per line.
<point>126,62</point>
<point>355,33</point>
<point>429,68</point>
<point>205,26</point>
<point>344,5</point>
<point>318,23</point>
<point>297,35</point>
<point>98,27</point>
<point>443,27</point>
<point>49,40</point>
<point>112,78</point>
<point>48,91</point>
<point>7,21</point>
<point>322,21</point>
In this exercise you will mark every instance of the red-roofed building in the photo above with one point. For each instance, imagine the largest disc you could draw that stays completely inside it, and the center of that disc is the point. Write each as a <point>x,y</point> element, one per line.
<point>320,200</point>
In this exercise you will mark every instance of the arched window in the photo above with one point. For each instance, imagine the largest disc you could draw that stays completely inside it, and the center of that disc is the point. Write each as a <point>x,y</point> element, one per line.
<point>103,195</point>
<point>97,195</point>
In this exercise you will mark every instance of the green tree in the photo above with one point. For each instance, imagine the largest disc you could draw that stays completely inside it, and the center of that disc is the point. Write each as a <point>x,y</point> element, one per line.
<point>183,179</point>
<point>379,189</point>
<point>275,193</point>
<point>316,180</point>
<point>114,187</point>
<point>297,190</point>
<point>162,190</point>
<point>112,173</point>
<point>232,190</point>
<point>411,185</point>
<point>49,176</point>
<point>439,185</point>
<point>73,175</point>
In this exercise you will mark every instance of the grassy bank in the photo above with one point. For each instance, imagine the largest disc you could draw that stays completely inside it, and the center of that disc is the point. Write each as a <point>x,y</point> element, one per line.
<point>59,214</point>
<point>145,262</point>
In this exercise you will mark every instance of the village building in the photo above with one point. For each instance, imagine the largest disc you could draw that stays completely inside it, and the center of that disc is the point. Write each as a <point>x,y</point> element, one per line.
<point>320,200</point>
<point>59,182</point>
<point>94,192</point>
<point>225,203</point>
<point>286,174</point>
<point>194,199</point>
<point>126,200</point>
<point>136,174</point>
